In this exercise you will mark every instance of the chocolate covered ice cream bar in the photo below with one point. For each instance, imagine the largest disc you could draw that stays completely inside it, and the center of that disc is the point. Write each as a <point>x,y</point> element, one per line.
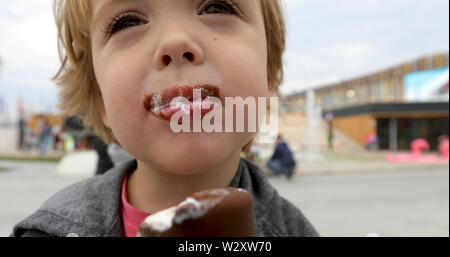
<point>225,212</point>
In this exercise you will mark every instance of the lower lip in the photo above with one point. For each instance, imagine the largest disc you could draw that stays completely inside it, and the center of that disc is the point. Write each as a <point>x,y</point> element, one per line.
<point>166,113</point>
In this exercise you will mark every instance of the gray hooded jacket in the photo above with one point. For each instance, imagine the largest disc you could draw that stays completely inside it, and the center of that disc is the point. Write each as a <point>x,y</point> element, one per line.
<point>91,208</point>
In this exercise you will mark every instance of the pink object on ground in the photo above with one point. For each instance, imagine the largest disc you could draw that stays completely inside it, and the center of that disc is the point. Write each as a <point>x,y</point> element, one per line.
<point>414,158</point>
<point>417,156</point>
<point>443,147</point>
<point>419,145</point>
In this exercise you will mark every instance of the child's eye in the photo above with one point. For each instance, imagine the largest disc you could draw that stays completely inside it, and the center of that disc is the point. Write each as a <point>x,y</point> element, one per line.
<point>219,7</point>
<point>124,21</point>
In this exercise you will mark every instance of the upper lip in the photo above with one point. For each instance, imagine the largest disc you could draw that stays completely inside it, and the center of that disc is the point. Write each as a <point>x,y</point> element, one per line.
<point>154,101</point>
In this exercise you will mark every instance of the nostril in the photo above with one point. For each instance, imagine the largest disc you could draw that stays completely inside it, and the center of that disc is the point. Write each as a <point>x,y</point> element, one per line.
<point>166,59</point>
<point>189,56</point>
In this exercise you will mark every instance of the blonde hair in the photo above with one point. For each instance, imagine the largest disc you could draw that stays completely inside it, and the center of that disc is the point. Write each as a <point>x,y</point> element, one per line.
<point>79,90</point>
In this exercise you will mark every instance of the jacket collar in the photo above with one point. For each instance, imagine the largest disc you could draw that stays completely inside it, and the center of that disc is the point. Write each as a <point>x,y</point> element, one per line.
<point>92,207</point>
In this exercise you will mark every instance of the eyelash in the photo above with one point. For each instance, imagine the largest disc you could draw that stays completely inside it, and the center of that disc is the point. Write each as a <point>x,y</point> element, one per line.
<point>228,3</point>
<point>112,27</point>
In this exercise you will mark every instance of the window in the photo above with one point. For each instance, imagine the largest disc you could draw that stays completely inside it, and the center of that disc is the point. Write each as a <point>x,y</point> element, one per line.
<point>378,91</point>
<point>364,93</point>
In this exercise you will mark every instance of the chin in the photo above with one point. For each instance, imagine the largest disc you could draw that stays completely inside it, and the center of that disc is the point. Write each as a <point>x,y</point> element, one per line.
<point>191,154</point>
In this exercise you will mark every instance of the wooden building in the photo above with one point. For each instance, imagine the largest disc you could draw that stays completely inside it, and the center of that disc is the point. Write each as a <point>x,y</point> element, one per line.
<point>380,103</point>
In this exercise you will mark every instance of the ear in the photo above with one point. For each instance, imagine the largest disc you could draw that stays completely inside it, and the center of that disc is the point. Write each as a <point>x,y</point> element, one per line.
<point>101,105</point>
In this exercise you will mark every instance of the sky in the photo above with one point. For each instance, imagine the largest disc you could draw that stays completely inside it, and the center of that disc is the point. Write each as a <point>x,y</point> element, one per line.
<point>327,41</point>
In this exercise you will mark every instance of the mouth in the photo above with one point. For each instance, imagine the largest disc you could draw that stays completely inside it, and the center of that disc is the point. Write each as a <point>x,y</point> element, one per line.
<point>159,104</point>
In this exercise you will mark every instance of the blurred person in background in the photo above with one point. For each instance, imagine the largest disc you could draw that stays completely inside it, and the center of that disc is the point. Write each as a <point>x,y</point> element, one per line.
<point>329,118</point>
<point>104,162</point>
<point>371,142</point>
<point>282,162</point>
<point>109,155</point>
<point>330,139</point>
<point>56,135</point>
<point>69,142</point>
<point>44,135</point>
<point>31,139</point>
<point>22,130</point>
<point>118,155</point>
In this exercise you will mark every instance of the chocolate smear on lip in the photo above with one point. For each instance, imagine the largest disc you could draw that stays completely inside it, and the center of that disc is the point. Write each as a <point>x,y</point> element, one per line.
<point>154,101</point>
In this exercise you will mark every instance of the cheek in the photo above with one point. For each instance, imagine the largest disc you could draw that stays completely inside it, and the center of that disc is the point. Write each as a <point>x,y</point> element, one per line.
<point>245,70</point>
<point>119,94</point>
<point>121,87</point>
<point>121,79</point>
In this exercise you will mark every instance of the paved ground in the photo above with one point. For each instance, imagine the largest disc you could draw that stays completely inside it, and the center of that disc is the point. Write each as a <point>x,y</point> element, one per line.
<point>24,186</point>
<point>403,203</point>
<point>406,203</point>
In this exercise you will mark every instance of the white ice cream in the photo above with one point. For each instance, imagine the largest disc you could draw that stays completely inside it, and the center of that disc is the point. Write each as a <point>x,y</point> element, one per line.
<point>161,221</point>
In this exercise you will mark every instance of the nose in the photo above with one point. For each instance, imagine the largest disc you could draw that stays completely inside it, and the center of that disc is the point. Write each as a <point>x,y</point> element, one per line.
<point>177,49</point>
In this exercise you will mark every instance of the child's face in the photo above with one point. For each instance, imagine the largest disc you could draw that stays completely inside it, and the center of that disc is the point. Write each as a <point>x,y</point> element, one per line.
<point>219,42</point>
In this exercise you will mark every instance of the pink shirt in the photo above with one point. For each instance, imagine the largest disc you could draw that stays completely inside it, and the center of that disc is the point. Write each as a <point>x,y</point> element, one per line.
<point>131,217</point>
